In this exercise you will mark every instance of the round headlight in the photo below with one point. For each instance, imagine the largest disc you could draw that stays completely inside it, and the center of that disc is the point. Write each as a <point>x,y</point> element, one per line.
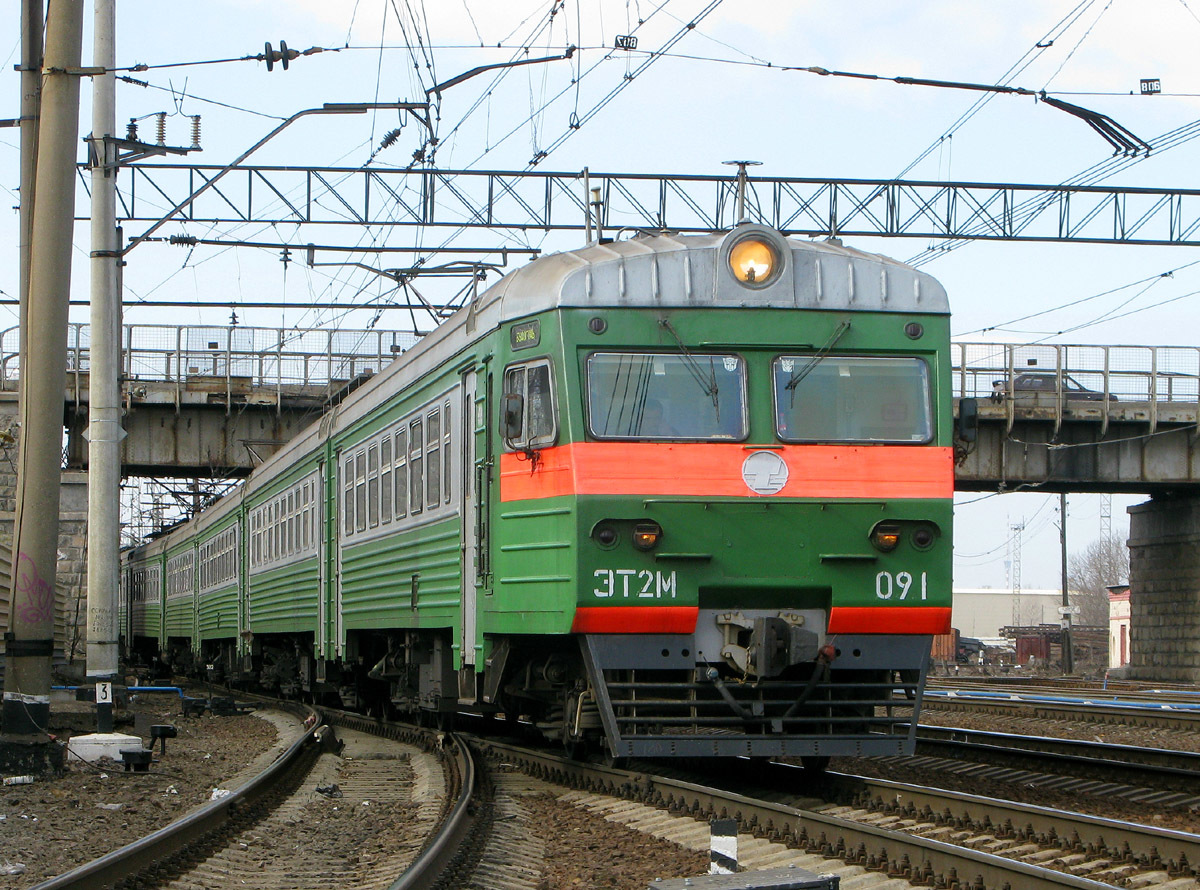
<point>753,261</point>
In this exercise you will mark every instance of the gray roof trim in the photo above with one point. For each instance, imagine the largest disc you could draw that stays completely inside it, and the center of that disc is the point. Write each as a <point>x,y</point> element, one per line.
<point>675,271</point>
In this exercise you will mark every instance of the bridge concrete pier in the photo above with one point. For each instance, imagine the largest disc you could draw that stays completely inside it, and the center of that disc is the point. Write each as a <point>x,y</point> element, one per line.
<point>1164,580</point>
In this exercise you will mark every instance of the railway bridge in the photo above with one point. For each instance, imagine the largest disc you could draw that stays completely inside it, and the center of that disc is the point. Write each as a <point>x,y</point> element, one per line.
<point>1060,418</point>
<point>216,401</point>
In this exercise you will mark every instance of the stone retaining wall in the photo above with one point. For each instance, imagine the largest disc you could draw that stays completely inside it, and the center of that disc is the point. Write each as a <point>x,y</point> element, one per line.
<point>1164,581</point>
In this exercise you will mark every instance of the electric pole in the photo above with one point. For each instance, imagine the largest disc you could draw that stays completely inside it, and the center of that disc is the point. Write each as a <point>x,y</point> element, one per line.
<point>104,431</point>
<point>29,644</point>
<point>1068,657</point>
<point>31,91</point>
<point>1015,543</point>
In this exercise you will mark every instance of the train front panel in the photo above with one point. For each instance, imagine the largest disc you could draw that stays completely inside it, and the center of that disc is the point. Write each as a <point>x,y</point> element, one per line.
<point>741,516</point>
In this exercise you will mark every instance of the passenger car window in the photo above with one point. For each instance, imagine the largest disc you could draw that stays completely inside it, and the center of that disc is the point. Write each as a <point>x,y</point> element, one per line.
<point>838,398</point>
<point>658,396</point>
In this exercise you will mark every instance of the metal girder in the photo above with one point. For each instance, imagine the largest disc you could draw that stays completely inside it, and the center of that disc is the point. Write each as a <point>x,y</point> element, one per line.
<point>545,201</point>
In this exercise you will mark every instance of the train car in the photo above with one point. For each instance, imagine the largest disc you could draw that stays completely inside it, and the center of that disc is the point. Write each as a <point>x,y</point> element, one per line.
<point>664,496</point>
<point>282,610</point>
<point>179,600</point>
<point>219,575</point>
<point>144,571</point>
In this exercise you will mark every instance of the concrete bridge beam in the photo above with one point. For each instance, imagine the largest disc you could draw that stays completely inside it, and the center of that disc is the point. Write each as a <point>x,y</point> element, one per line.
<point>1083,448</point>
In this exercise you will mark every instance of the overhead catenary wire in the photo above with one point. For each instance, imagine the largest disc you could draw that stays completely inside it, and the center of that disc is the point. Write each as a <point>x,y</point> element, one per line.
<point>576,124</point>
<point>1078,302</point>
<point>429,45</point>
<point>1078,44</point>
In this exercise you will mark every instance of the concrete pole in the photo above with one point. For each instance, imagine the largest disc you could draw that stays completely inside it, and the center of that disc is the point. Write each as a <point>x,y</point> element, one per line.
<point>31,91</point>
<point>29,645</point>
<point>104,432</point>
<point>1068,656</point>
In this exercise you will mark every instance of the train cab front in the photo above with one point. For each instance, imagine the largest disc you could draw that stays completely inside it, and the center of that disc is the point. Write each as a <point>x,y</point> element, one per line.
<point>758,476</point>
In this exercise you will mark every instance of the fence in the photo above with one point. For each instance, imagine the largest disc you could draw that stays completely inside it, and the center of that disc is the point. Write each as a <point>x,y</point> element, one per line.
<point>261,357</point>
<point>1124,373</point>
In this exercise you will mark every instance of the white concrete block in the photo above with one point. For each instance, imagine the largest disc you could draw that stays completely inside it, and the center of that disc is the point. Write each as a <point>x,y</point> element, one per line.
<point>95,745</point>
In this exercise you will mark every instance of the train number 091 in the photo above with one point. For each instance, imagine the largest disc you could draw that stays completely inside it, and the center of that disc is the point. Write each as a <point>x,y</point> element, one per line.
<point>888,585</point>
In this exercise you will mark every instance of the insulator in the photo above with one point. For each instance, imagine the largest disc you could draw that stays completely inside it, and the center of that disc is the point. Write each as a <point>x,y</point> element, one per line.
<point>160,121</point>
<point>390,139</point>
<point>183,240</point>
<point>131,130</point>
<point>196,131</point>
<point>284,55</point>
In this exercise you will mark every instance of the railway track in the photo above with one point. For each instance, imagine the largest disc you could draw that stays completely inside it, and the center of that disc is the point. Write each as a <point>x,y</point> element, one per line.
<point>467,830</point>
<point>1153,776</point>
<point>1120,688</point>
<point>345,806</point>
<point>1104,850</point>
<point>1164,715</point>
<point>902,831</point>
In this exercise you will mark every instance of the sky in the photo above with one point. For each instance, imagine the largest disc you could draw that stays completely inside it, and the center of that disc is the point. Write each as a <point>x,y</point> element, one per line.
<point>729,88</point>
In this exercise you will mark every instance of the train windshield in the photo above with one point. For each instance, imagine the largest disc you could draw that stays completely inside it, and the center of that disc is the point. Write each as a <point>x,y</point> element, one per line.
<point>654,396</point>
<point>837,398</point>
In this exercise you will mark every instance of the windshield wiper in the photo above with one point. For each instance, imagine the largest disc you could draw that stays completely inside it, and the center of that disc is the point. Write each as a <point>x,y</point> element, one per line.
<point>796,378</point>
<point>707,383</point>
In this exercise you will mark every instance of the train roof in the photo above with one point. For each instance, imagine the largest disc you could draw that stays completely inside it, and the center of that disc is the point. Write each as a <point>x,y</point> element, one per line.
<point>650,270</point>
<point>671,270</point>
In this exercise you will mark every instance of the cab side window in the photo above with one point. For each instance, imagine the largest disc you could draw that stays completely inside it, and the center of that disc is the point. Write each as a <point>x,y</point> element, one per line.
<point>528,416</point>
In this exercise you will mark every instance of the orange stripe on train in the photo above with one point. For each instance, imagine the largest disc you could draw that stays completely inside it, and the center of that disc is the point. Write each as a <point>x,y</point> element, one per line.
<point>682,619</point>
<point>889,620</point>
<point>715,470</point>
<point>635,619</point>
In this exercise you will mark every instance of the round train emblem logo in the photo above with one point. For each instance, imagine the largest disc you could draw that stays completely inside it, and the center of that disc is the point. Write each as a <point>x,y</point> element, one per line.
<point>765,472</point>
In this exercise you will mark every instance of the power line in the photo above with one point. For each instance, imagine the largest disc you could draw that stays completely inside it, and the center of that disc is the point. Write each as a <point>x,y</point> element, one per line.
<point>1027,59</point>
<point>1078,302</point>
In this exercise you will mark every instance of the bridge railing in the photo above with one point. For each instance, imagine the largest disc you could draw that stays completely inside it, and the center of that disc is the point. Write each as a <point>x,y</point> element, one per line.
<point>259,357</point>
<point>1123,373</point>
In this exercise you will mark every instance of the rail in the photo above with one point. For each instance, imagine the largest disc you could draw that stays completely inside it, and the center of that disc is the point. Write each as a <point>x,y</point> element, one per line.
<point>875,847</point>
<point>145,853</point>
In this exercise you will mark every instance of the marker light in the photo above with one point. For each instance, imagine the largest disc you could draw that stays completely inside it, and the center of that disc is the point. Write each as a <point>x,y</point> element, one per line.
<point>923,538</point>
<point>646,535</point>
<point>753,261</point>
<point>885,537</point>
<point>605,535</point>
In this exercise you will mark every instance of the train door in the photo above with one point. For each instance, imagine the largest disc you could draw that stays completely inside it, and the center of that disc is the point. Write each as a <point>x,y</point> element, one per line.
<point>344,490</point>
<point>482,470</point>
<point>242,647</point>
<point>468,511</point>
<point>195,583</point>
<point>320,496</point>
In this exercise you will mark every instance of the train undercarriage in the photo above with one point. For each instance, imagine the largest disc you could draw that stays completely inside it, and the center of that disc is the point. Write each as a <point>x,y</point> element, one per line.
<point>626,695</point>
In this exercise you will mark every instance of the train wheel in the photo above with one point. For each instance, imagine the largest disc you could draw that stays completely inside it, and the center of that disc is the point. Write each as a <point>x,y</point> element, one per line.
<point>815,766</point>
<point>577,749</point>
<point>613,761</point>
